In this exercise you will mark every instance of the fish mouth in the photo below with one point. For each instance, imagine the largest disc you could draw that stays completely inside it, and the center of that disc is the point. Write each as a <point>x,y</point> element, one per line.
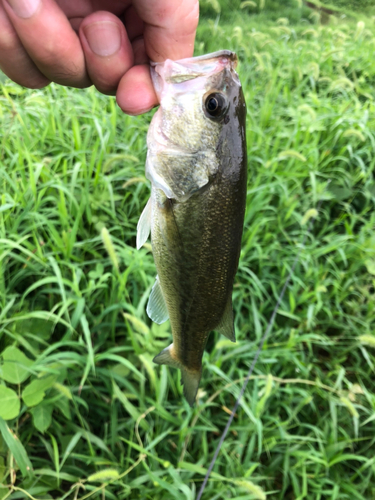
<point>225,54</point>
<point>175,72</point>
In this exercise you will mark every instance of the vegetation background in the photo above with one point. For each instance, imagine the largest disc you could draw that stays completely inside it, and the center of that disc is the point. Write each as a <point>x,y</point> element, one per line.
<point>84,413</point>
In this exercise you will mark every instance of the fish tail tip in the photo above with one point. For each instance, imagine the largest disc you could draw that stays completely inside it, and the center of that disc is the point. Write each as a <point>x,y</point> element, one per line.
<point>190,380</point>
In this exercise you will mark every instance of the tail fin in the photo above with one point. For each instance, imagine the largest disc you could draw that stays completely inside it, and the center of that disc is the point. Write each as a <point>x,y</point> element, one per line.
<point>189,378</point>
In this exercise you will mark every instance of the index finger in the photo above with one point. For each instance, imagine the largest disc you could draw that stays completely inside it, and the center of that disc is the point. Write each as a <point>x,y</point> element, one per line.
<point>170,27</point>
<point>169,33</point>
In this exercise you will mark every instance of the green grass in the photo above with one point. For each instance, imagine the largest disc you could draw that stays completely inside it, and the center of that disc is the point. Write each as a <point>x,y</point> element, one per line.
<point>267,12</point>
<point>73,291</point>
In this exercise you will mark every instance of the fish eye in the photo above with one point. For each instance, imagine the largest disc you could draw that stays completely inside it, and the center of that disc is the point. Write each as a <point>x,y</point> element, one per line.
<point>215,104</point>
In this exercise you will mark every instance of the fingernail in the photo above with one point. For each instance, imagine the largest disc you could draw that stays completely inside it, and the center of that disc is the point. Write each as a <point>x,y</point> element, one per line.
<point>24,8</point>
<point>103,37</point>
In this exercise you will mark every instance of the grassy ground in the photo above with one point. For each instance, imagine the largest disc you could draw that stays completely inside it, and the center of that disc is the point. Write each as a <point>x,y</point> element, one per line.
<point>85,412</point>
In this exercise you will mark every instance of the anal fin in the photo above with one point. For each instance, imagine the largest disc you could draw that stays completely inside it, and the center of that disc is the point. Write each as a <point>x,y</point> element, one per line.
<point>144,225</point>
<point>166,357</point>
<point>226,325</point>
<point>156,306</point>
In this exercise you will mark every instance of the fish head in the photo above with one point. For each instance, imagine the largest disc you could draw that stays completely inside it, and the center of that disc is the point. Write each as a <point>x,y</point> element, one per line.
<point>201,106</point>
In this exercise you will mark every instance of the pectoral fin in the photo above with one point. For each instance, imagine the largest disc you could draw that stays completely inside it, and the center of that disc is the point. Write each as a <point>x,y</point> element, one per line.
<point>144,225</point>
<point>226,325</point>
<point>156,307</point>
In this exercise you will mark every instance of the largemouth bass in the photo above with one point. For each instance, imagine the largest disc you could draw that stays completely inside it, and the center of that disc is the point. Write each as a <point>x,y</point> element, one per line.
<point>197,166</point>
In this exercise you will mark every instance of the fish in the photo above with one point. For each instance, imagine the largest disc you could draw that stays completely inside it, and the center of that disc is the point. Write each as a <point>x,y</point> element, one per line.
<point>197,165</point>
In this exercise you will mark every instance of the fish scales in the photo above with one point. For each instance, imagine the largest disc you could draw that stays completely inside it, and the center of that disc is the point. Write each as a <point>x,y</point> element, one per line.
<point>197,166</point>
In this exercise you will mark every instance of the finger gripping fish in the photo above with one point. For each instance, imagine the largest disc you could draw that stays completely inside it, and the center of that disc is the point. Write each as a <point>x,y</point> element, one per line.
<point>197,166</point>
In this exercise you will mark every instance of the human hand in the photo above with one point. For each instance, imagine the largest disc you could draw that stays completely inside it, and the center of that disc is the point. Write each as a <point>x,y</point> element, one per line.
<point>107,43</point>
